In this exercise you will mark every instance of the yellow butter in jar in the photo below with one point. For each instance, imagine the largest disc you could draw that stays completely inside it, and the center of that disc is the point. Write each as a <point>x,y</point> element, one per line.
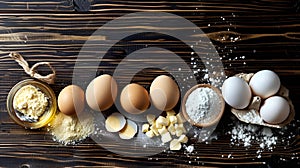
<point>31,104</point>
<point>30,101</point>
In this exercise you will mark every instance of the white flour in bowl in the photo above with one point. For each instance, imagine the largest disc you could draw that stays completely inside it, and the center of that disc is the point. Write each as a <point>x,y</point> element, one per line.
<point>202,105</point>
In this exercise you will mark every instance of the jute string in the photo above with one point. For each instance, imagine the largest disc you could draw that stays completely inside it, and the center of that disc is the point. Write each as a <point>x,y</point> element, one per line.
<point>50,78</point>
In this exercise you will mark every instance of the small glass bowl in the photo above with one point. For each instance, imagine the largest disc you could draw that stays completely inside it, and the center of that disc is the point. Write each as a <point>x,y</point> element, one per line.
<point>47,116</point>
<point>212,118</point>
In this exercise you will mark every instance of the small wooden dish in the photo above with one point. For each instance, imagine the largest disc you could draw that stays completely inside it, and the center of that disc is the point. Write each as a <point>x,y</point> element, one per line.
<point>211,119</point>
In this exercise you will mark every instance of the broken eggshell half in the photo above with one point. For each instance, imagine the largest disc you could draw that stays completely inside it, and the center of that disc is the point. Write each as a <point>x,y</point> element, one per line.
<point>251,113</point>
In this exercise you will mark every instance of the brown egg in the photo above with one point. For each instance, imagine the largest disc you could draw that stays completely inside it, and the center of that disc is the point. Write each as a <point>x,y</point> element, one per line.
<point>134,98</point>
<point>101,92</point>
<point>164,93</point>
<point>71,100</point>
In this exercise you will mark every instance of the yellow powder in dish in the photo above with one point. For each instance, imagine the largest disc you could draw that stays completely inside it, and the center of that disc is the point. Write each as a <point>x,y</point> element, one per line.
<point>69,130</point>
<point>30,101</point>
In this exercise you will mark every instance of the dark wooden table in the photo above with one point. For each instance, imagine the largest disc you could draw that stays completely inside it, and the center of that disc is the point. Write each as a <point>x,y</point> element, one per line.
<point>267,33</point>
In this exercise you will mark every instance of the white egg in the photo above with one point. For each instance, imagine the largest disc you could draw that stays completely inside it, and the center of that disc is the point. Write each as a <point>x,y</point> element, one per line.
<point>275,110</point>
<point>265,83</point>
<point>236,92</point>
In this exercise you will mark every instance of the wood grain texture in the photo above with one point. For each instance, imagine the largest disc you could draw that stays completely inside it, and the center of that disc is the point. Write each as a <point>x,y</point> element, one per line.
<point>266,32</point>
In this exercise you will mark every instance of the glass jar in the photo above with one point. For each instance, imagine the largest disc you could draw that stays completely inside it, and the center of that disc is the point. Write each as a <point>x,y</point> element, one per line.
<point>47,115</point>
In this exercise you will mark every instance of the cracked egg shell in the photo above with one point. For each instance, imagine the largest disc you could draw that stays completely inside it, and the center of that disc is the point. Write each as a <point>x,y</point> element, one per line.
<point>115,122</point>
<point>129,130</point>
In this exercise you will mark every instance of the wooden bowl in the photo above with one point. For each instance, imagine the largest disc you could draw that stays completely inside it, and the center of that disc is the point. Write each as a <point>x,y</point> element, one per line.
<point>213,117</point>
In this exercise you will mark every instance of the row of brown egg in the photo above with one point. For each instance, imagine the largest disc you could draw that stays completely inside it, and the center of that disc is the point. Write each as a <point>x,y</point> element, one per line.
<point>102,91</point>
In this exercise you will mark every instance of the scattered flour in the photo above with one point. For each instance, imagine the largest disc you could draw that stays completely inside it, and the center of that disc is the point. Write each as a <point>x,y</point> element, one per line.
<point>247,135</point>
<point>69,130</point>
<point>189,148</point>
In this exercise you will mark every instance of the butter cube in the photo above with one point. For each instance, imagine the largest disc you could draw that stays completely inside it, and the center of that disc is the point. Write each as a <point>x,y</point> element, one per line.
<point>154,129</point>
<point>158,125</point>
<point>183,129</point>
<point>166,137</point>
<point>162,121</point>
<point>163,130</point>
<point>175,145</point>
<point>145,127</point>
<point>150,118</point>
<point>178,132</point>
<point>180,118</point>
<point>173,119</point>
<point>183,138</point>
<point>150,134</point>
<point>171,113</point>
<point>180,127</point>
<point>172,129</point>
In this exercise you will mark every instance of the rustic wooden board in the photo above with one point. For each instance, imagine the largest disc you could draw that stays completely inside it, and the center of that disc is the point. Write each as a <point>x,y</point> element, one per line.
<point>267,32</point>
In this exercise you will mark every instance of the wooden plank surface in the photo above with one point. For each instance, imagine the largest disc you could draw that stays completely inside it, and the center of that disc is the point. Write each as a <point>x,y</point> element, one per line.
<point>266,32</point>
